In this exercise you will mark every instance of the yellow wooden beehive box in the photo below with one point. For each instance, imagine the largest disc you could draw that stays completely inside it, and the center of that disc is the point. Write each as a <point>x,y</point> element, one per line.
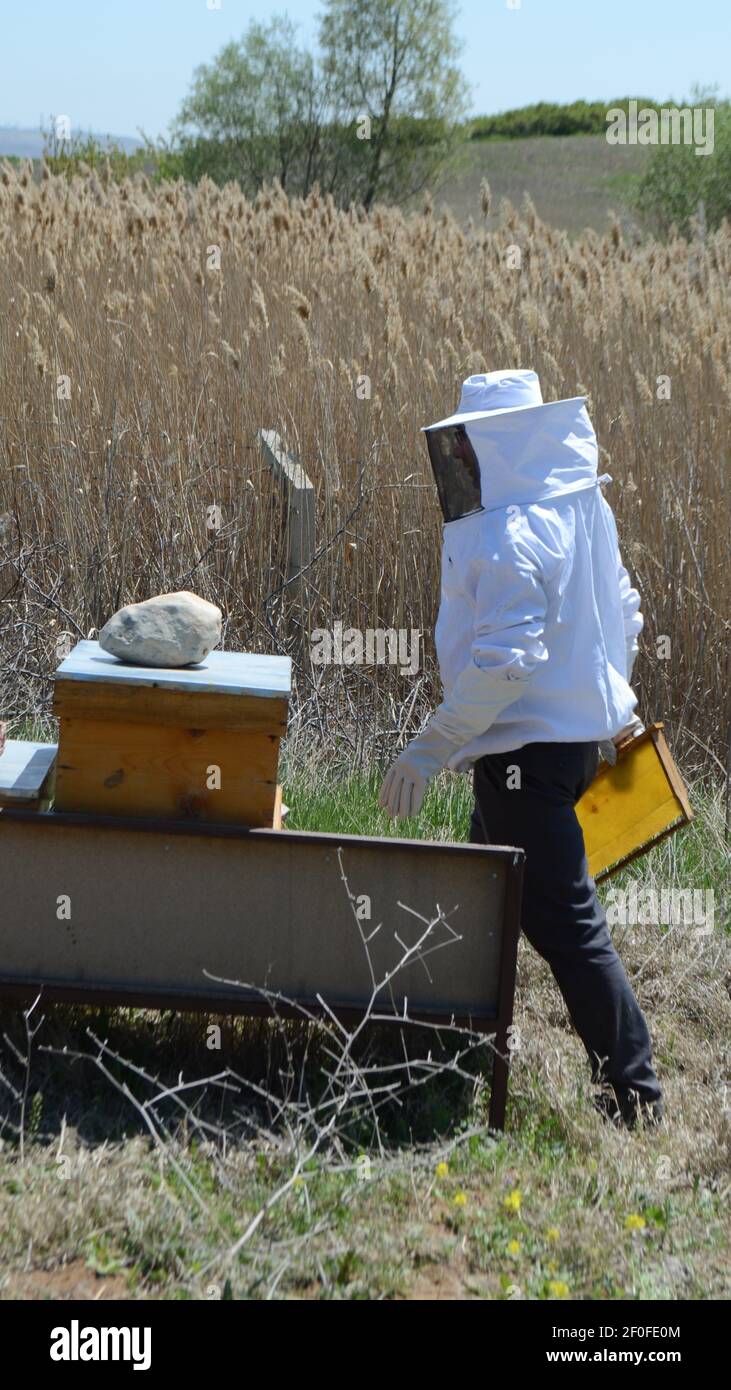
<point>630,807</point>
<point>197,742</point>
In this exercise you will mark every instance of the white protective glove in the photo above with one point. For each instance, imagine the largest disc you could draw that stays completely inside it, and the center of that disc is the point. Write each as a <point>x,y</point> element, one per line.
<point>608,746</point>
<point>478,696</point>
<point>405,782</point>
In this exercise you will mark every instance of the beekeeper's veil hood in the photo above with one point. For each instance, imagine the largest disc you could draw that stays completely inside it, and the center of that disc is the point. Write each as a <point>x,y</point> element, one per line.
<point>506,446</point>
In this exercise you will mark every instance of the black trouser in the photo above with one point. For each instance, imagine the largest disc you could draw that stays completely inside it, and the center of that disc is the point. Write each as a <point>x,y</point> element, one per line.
<point>561,914</point>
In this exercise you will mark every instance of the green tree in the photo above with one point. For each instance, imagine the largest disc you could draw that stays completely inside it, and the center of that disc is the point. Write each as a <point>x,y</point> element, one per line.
<point>256,111</point>
<point>678,181</point>
<point>374,114</point>
<point>394,63</point>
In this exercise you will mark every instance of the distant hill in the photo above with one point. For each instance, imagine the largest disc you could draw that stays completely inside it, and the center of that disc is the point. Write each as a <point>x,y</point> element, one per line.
<point>575,181</point>
<point>28,144</point>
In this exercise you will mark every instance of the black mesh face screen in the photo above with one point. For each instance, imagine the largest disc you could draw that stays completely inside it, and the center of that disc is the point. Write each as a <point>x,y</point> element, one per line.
<point>456,471</point>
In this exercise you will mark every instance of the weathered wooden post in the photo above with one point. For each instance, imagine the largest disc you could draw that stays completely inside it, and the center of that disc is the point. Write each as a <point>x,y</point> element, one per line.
<point>8,572</point>
<point>299,495</point>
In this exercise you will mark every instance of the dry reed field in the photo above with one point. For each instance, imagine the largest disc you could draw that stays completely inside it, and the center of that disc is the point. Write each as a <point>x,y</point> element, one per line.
<point>134,379</point>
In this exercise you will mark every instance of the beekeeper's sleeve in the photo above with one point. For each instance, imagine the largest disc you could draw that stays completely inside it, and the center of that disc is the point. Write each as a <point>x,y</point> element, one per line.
<point>631,615</point>
<point>633,620</point>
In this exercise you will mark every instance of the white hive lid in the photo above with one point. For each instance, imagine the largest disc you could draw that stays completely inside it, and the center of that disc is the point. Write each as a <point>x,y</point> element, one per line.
<point>222,673</point>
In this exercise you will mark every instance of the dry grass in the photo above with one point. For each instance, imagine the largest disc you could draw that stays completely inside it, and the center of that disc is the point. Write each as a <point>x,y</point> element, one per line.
<point>92,1206</point>
<point>173,367</point>
<point>94,1197</point>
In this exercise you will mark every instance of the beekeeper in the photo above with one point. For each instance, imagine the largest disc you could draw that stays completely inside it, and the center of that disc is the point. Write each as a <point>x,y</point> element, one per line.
<point>536,638</point>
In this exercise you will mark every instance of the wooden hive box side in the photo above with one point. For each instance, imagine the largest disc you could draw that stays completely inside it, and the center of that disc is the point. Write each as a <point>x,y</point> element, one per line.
<point>147,705</point>
<point>632,806</point>
<point>198,742</point>
<point>161,770</point>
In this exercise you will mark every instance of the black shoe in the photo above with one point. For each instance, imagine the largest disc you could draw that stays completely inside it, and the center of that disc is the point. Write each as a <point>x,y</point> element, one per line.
<point>628,1109</point>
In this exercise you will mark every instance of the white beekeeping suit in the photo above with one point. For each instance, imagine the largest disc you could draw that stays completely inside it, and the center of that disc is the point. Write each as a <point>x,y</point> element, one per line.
<point>538,621</point>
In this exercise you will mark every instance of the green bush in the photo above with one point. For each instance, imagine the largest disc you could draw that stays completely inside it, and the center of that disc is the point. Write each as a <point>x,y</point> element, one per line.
<point>186,160</point>
<point>86,152</point>
<point>550,118</point>
<point>678,181</point>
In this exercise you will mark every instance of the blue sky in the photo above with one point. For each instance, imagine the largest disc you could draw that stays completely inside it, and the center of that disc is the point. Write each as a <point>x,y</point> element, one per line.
<point>116,66</point>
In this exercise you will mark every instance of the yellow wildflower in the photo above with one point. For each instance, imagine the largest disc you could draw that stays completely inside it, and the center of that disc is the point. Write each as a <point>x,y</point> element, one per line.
<point>460,1199</point>
<point>441,1170</point>
<point>558,1289</point>
<point>635,1222</point>
<point>514,1247</point>
<point>553,1234</point>
<point>513,1200</point>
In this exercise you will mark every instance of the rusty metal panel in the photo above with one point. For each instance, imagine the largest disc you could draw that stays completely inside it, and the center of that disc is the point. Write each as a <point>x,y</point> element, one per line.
<point>159,911</point>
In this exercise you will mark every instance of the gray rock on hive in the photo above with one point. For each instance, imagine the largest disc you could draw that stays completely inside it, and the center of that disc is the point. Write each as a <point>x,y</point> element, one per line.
<point>167,630</point>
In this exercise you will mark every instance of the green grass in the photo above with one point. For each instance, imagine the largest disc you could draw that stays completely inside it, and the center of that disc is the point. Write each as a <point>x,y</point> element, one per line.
<point>696,856</point>
<point>349,806</point>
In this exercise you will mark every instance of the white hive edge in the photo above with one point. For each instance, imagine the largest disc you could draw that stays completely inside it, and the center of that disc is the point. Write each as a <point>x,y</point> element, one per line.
<point>225,673</point>
<point>24,767</point>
